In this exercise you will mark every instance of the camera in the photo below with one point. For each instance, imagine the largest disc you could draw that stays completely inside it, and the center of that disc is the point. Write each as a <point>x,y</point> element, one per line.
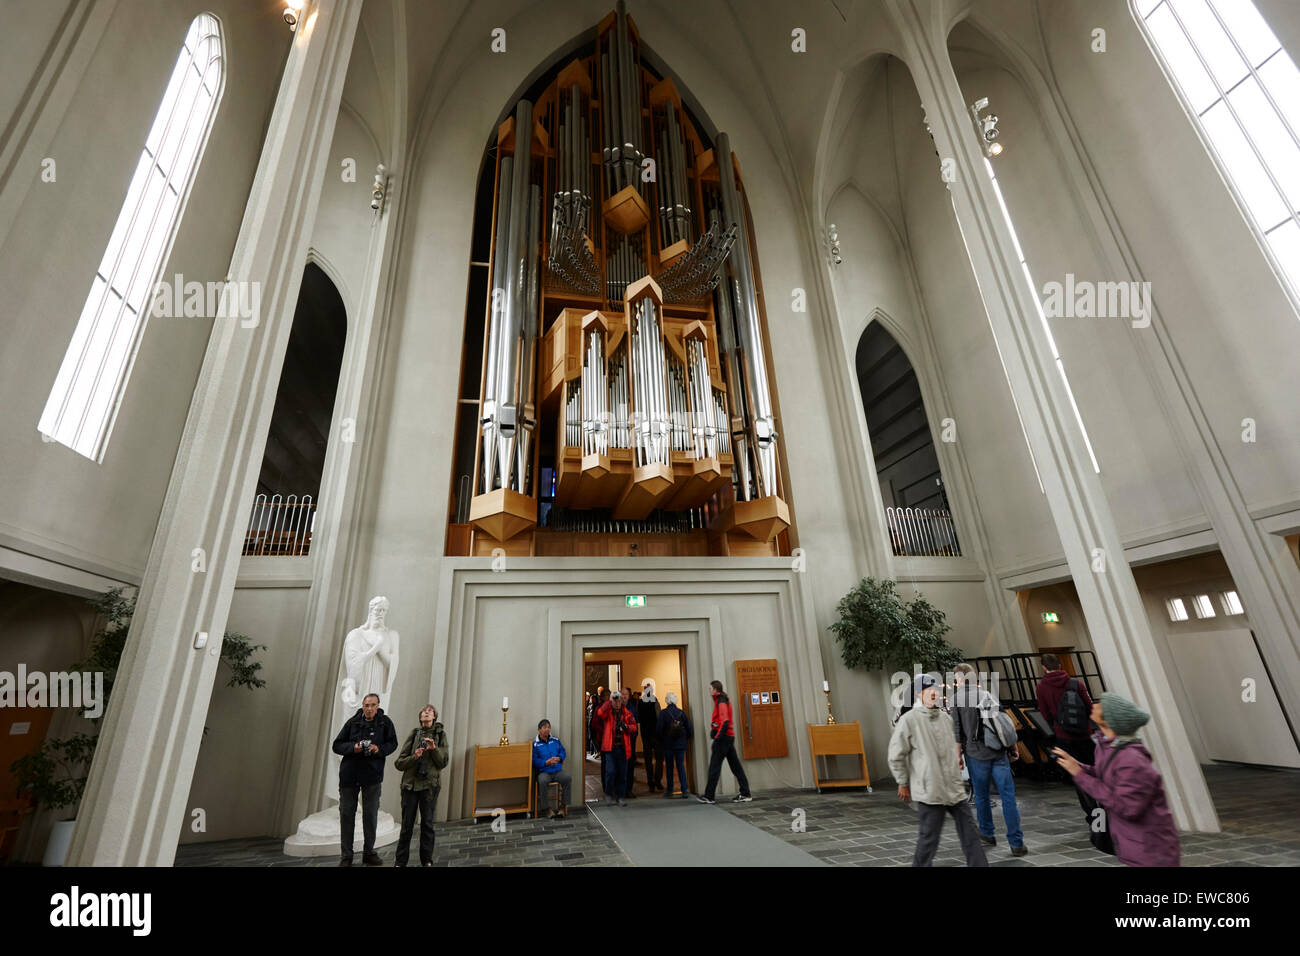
<point>365,745</point>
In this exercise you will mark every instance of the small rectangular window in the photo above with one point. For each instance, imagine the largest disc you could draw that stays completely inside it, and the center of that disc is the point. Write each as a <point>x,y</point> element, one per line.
<point>1203,605</point>
<point>1232,603</point>
<point>1177,610</point>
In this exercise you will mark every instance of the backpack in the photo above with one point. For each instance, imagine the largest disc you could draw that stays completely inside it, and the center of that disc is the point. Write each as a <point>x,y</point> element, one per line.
<point>999,731</point>
<point>1071,714</point>
<point>676,729</point>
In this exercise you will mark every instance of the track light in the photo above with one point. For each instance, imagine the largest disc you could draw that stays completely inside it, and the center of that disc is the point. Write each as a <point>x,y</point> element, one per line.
<point>833,240</point>
<point>986,127</point>
<point>291,10</point>
<point>380,188</point>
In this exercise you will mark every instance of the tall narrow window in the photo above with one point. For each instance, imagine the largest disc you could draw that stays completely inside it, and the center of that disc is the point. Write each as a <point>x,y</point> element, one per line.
<point>1042,317</point>
<point>88,389</point>
<point>1244,91</point>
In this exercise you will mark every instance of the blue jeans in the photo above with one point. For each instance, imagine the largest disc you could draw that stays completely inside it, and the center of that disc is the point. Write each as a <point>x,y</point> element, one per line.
<point>616,773</point>
<point>999,772</point>
<point>677,757</point>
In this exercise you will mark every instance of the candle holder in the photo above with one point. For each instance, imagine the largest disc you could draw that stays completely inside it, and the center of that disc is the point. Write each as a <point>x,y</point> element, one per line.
<point>504,741</point>
<point>830,718</point>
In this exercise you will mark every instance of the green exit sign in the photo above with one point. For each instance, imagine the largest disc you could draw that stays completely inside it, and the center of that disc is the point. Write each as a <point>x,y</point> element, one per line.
<point>636,600</point>
<point>1051,617</point>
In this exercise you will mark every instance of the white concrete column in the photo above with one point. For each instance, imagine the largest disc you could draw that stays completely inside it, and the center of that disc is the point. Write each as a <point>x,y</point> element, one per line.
<point>135,800</point>
<point>1111,603</point>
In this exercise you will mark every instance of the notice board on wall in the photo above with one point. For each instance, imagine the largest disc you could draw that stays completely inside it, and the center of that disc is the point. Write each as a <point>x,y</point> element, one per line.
<point>758,709</point>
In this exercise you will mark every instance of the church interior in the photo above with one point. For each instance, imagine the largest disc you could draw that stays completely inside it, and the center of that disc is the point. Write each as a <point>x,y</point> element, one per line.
<point>491,354</point>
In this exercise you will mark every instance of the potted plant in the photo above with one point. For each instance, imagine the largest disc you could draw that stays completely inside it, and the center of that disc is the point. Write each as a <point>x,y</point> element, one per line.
<point>879,631</point>
<point>55,775</point>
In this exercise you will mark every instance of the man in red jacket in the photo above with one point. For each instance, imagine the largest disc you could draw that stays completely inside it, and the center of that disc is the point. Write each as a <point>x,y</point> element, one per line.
<point>618,725</point>
<point>724,748</point>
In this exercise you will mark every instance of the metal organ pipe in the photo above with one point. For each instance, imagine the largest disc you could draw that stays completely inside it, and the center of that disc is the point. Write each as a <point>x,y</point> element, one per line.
<point>500,272</point>
<point>763,426</point>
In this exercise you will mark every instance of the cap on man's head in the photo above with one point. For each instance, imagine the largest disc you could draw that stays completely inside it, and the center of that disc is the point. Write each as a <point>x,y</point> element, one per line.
<point>614,693</point>
<point>922,682</point>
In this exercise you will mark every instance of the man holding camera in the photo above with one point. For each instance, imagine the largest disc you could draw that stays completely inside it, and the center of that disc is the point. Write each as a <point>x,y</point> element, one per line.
<point>422,759</point>
<point>618,726</point>
<point>363,743</point>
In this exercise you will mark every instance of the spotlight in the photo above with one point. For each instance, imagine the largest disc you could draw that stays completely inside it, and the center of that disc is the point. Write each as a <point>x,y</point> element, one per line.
<point>986,126</point>
<point>380,188</point>
<point>833,240</point>
<point>291,10</point>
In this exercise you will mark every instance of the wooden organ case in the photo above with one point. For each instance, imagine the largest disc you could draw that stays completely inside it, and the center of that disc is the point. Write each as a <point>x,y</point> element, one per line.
<point>624,403</point>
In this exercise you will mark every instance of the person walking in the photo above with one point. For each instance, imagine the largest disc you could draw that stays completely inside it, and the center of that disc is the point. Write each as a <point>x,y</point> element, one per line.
<point>1065,705</point>
<point>421,760</point>
<point>923,759</point>
<point>674,732</point>
<point>617,725</point>
<point>365,740</point>
<point>723,732</point>
<point>986,759</point>
<point>647,718</point>
<point>1126,784</point>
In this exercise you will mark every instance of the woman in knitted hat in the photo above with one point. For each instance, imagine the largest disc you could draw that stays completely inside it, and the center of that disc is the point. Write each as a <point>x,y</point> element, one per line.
<point>1126,783</point>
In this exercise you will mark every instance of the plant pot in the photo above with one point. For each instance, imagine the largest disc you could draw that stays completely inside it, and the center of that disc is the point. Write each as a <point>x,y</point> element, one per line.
<point>56,850</point>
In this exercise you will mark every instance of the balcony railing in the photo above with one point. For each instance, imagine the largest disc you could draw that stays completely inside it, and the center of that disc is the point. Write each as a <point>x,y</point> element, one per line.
<point>922,532</point>
<point>280,525</point>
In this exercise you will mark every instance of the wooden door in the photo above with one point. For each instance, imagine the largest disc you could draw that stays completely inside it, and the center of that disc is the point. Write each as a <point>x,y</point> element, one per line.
<point>758,709</point>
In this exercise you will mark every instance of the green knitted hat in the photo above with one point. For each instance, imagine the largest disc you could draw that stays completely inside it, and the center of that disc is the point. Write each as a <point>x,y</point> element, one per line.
<point>1123,716</point>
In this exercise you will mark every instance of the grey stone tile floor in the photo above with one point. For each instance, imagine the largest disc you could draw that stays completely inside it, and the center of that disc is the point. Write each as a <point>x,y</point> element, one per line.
<point>1257,810</point>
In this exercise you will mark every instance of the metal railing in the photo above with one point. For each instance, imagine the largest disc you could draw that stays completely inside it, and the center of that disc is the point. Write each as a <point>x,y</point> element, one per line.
<point>280,525</point>
<point>922,532</point>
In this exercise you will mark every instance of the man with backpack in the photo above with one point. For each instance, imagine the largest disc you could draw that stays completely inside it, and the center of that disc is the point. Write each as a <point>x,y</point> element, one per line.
<point>675,731</point>
<point>986,742</point>
<point>1065,705</point>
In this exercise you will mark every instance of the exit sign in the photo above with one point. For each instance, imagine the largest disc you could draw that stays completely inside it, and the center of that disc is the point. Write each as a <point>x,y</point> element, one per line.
<point>1051,617</point>
<point>636,600</point>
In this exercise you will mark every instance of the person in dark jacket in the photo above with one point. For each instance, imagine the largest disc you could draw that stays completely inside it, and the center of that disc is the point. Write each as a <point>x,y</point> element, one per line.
<point>617,727</point>
<point>421,760</point>
<point>674,732</point>
<point>723,732</point>
<point>985,764</point>
<point>1126,784</point>
<point>365,740</point>
<point>548,764</point>
<point>647,718</point>
<point>630,702</point>
<point>1079,746</point>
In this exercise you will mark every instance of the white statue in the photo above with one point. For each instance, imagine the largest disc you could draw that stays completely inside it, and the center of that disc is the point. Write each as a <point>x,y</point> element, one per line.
<point>368,666</point>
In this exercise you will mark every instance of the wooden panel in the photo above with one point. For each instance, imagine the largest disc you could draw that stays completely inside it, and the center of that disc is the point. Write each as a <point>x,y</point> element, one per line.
<point>506,773</point>
<point>838,740</point>
<point>760,726</point>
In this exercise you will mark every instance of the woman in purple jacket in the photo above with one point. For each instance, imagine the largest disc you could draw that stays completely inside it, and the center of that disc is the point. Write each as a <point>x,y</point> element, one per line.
<point>1126,783</point>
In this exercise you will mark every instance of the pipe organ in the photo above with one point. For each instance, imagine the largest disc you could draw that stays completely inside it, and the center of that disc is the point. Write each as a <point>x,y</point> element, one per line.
<point>625,403</point>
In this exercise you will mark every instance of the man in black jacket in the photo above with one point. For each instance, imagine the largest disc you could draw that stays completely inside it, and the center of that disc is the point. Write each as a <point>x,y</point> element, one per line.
<point>985,763</point>
<point>363,743</point>
<point>647,719</point>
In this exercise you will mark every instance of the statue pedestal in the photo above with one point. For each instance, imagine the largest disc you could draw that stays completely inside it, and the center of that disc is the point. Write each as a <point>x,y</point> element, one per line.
<point>319,835</point>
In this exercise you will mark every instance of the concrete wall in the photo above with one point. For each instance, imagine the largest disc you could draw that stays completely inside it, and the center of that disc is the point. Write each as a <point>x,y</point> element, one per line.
<point>54,502</point>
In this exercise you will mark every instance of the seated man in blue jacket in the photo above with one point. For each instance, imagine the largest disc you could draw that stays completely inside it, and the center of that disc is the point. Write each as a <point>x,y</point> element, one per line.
<point>548,762</point>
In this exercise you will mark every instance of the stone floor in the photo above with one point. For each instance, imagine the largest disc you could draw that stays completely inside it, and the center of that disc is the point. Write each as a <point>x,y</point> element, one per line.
<point>1257,809</point>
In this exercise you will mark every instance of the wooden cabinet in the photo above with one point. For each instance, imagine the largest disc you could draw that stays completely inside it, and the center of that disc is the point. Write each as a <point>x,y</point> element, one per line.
<point>503,778</point>
<point>834,745</point>
<point>757,709</point>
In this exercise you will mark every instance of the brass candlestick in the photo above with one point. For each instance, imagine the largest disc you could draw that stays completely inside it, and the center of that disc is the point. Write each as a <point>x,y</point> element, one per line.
<point>830,718</point>
<point>504,741</point>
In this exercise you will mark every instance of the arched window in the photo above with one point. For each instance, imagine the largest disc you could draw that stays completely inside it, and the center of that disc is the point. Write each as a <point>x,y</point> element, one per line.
<point>88,389</point>
<point>1244,91</point>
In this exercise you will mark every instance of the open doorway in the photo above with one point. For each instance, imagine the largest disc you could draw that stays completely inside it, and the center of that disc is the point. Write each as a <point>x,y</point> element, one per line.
<point>629,668</point>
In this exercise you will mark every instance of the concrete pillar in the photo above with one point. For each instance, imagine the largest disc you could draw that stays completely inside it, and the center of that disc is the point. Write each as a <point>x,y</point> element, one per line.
<point>1111,603</point>
<point>135,800</point>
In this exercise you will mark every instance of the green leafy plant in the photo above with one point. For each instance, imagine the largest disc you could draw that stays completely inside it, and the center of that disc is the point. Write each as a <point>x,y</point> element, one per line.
<point>55,776</point>
<point>877,630</point>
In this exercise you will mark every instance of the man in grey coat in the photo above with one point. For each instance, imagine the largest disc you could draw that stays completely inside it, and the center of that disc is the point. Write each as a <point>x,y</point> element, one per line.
<point>923,759</point>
